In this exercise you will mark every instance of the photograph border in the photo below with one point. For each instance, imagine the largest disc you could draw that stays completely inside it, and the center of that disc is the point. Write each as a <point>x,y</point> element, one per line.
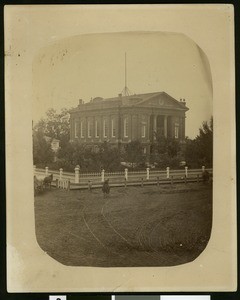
<point>6,153</point>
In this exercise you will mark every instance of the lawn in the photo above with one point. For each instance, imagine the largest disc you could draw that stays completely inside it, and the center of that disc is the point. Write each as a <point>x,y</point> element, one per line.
<point>133,226</point>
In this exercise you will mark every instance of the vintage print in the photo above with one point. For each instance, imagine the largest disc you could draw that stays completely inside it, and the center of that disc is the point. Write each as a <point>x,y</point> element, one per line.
<point>123,150</point>
<point>120,148</point>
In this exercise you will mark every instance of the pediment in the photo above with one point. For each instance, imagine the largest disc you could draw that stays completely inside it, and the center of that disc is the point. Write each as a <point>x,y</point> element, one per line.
<point>162,100</point>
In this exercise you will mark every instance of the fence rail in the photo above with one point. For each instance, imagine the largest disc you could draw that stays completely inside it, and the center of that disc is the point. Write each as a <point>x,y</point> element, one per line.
<point>125,177</point>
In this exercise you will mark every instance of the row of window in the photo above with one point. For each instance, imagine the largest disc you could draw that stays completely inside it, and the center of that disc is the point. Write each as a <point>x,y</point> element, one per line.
<point>96,129</point>
<point>105,128</point>
<point>113,129</point>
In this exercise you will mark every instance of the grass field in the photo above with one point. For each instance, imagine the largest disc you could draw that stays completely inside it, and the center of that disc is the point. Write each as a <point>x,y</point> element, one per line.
<point>134,226</point>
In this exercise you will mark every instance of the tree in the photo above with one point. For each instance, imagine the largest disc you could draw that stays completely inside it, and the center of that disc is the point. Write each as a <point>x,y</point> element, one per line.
<point>204,142</point>
<point>88,158</point>
<point>134,153</point>
<point>165,151</point>
<point>42,152</point>
<point>72,154</point>
<point>109,157</point>
<point>55,125</point>
<point>199,151</point>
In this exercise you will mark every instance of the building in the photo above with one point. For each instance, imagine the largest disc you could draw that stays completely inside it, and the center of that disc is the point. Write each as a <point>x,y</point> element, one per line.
<point>54,143</point>
<point>123,119</point>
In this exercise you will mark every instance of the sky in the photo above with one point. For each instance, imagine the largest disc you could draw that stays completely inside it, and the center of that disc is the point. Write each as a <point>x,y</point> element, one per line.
<point>93,65</point>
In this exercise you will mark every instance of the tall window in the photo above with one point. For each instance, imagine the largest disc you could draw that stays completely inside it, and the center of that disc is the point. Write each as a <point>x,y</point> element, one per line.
<point>76,129</point>
<point>105,128</point>
<point>113,127</point>
<point>89,129</point>
<point>176,131</point>
<point>143,130</point>
<point>82,129</point>
<point>96,129</point>
<point>125,127</point>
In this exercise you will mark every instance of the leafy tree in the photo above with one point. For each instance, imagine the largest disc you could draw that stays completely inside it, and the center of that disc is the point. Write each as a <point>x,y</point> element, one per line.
<point>165,151</point>
<point>199,151</point>
<point>104,156</point>
<point>42,152</point>
<point>88,158</point>
<point>72,154</point>
<point>109,157</point>
<point>169,146</point>
<point>55,125</point>
<point>134,152</point>
<point>204,142</point>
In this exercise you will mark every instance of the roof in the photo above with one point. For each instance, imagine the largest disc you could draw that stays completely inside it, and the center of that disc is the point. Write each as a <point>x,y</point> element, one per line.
<point>132,100</point>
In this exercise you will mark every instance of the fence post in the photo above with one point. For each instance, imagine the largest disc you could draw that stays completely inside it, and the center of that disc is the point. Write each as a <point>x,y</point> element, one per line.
<point>126,174</point>
<point>77,174</point>
<point>102,175</point>
<point>46,171</point>
<point>68,185</point>
<point>90,185</point>
<point>142,183</point>
<point>60,173</point>
<point>186,171</point>
<point>168,172</point>
<point>147,173</point>
<point>125,182</point>
<point>203,168</point>
<point>172,180</point>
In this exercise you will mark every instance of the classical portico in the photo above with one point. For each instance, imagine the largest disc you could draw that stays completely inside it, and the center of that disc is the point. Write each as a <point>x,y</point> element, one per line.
<point>160,124</point>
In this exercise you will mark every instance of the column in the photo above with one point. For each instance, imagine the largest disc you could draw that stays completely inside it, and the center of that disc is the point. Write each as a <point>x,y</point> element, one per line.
<point>183,127</point>
<point>165,126</point>
<point>101,128</point>
<point>119,126</point>
<point>154,126</point>
<point>86,128</point>
<point>149,129</point>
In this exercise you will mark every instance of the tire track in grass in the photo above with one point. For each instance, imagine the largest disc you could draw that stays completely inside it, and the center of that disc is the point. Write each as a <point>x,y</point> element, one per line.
<point>88,227</point>
<point>106,247</point>
<point>107,226</point>
<point>127,241</point>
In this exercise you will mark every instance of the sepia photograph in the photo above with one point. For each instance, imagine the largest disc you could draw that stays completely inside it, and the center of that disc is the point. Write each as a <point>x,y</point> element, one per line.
<point>123,154</point>
<point>120,148</point>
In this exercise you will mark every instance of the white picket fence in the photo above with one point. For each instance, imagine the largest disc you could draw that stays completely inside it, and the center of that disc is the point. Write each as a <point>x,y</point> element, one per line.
<point>148,174</point>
